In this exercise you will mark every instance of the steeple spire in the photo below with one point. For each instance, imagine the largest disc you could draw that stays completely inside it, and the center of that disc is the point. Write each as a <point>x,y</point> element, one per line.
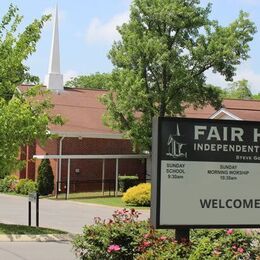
<point>54,79</point>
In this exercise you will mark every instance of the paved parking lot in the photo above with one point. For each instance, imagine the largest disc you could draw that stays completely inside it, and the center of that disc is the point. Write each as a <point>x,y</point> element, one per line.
<point>36,251</point>
<point>65,215</point>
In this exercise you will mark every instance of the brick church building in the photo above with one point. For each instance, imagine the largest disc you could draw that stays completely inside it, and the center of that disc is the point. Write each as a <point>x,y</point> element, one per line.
<point>82,134</point>
<point>88,155</point>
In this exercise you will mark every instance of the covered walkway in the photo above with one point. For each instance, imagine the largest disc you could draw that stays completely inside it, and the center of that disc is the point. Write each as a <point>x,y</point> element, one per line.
<point>103,157</point>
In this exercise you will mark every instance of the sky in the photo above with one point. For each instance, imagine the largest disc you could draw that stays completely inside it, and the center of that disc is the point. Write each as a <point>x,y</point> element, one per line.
<point>87,30</point>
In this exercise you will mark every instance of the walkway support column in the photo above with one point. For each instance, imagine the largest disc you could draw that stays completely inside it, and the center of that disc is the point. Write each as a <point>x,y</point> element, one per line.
<point>116,177</point>
<point>68,180</point>
<point>57,176</point>
<point>60,153</point>
<point>103,176</point>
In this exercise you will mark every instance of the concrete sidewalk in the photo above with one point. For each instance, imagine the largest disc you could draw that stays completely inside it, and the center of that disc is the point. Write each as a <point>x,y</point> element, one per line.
<point>37,238</point>
<point>59,250</point>
<point>64,215</point>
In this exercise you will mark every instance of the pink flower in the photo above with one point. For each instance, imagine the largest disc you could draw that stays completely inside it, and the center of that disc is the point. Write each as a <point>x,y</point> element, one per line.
<point>230,231</point>
<point>146,243</point>
<point>121,211</point>
<point>112,248</point>
<point>240,250</point>
<point>234,247</point>
<point>146,235</point>
<point>162,238</point>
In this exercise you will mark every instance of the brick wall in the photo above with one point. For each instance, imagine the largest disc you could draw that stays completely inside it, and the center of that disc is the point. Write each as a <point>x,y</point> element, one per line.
<point>90,169</point>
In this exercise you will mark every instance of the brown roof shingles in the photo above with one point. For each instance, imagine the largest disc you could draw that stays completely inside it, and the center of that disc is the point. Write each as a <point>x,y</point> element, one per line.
<point>83,111</point>
<point>205,112</point>
<point>244,109</point>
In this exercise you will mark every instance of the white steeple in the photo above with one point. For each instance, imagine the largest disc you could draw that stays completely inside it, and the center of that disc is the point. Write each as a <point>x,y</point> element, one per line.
<point>54,79</point>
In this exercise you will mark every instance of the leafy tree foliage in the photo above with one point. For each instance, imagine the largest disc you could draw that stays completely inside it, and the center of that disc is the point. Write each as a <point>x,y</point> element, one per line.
<point>256,96</point>
<point>238,90</point>
<point>45,180</point>
<point>159,64</point>
<point>24,116</point>
<point>93,81</point>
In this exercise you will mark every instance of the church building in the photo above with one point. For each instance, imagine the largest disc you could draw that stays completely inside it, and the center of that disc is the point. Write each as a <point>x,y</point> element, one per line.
<point>97,154</point>
<point>87,155</point>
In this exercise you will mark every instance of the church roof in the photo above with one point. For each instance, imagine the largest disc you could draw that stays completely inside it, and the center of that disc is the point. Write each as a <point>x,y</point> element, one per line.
<point>81,109</point>
<point>243,109</point>
<point>83,112</point>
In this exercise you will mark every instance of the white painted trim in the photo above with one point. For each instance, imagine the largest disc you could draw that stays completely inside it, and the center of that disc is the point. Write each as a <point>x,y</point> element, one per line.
<point>19,90</point>
<point>97,156</point>
<point>88,135</point>
<point>219,113</point>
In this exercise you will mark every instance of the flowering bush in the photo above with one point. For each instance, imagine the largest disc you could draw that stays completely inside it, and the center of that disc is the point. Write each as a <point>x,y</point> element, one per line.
<point>116,238</point>
<point>8,184</point>
<point>22,186</point>
<point>139,195</point>
<point>225,244</point>
<point>123,237</point>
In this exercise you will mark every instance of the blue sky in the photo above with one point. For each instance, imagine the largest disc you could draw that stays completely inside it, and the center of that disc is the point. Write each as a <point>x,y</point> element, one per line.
<point>87,30</point>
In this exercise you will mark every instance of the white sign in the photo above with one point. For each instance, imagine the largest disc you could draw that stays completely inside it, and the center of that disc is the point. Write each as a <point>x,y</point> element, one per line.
<point>206,173</point>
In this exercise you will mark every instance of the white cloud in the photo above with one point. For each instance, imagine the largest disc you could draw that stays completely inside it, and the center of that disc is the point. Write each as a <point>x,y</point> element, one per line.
<point>99,31</point>
<point>244,71</point>
<point>69,74</point>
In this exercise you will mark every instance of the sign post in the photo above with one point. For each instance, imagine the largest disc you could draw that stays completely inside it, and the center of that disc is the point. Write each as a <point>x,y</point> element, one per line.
<point>205,174</point>
<point>29,213</point>
<point>33,197</point>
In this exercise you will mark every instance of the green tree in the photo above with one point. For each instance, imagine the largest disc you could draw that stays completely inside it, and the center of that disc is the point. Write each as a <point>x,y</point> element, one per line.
<point>238,90</point>
<point>45,180</point>
<point>24,115</point>
<point>256,96</point>
<point>159,64</point>
<point>93,81</point>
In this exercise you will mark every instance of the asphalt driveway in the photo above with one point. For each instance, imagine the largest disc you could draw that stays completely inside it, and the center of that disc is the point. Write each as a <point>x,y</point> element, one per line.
<point>65,215</point>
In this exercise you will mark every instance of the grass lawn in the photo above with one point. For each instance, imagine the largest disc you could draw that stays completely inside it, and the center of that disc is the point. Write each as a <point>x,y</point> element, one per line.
<point>109,201</point>
<point>98,198</point>
<point>92,197</point>
<point>7,229</point>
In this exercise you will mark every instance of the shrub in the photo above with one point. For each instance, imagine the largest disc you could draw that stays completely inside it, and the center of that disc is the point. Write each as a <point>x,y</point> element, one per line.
<point>26,186</point>
<point>116,238</point>
<point>225,244</point>
<point>30,186</point>
<point>205,244</point>
<point>45,179</point>
<point>139,195</point>
<point>126,182</point>
<point>8,184</point>
<point>123,237</point>
<point>157,246</point>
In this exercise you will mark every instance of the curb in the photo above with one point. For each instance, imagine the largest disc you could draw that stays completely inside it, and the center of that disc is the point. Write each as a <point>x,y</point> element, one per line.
<point>37,238</point>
